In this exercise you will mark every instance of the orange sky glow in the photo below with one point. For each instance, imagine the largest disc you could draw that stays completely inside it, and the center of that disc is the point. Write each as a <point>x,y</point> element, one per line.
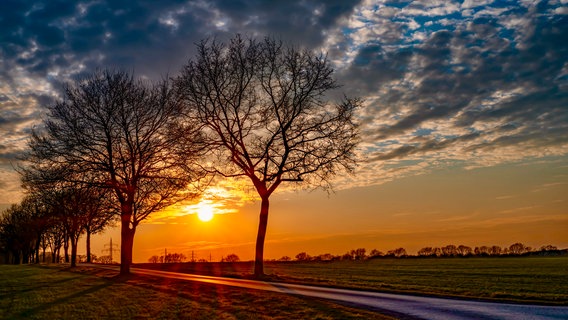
<point>463,122</point>
<point>523,202</point>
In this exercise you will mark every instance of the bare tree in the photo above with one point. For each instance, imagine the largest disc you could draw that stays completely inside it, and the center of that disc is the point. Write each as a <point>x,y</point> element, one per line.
<point>174,258</point>
<point>375,253</point>
<point>72,203</point>
<point>398,253</point>
<point>359,253</point>
<point>449,250</point>
<point>518,249</point>
<point>302,256</point>
<point>464,250</point>
<point>232,258</point>
<point>495,250</point>
<point>262,104</point>
<point>117,133</point>
<point>548,247</point>
<point>17,234</point>
<point>426,252</point>
<point>99,214</point>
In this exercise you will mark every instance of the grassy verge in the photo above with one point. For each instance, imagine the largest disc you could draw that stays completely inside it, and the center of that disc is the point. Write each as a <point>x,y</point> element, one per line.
<point>524,279</point>
<point>33,292</point>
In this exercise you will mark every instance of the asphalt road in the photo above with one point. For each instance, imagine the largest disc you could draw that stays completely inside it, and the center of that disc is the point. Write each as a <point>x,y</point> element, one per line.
<point>407,306</point>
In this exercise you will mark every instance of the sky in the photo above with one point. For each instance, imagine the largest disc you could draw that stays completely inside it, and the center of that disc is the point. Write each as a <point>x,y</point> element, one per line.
<point>464,128</point>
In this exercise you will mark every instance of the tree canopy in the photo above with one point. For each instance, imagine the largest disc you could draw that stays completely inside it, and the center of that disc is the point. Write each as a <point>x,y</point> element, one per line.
<point>114,132</point>
<point>266,117</point>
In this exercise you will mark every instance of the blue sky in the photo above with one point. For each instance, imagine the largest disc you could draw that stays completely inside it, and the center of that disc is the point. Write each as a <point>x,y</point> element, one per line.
<point>446,84</point>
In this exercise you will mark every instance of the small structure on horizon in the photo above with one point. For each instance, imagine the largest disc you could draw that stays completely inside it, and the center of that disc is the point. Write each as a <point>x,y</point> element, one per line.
<point>110,248</point>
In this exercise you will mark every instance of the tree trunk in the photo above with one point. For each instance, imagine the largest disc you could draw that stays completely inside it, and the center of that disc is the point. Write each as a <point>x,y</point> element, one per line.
<point>74,240</point>
<point>262,224</point>
<point>126,244</point>
<point>89,245</point>
<point>66,247</point>
<point>37,245</point>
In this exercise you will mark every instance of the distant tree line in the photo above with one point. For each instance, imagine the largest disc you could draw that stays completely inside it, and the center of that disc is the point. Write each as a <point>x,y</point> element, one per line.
<point>180,257</point>
<point>448,251</point>
<point>360,254</point>
<point>168,258</point>
<point>47,224</point>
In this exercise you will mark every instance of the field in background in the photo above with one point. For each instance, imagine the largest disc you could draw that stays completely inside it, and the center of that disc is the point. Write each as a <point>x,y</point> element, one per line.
<point>34,292</point>
<point>525,279</point>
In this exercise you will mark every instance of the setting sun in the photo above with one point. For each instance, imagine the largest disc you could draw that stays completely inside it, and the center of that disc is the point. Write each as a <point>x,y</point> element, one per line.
<point>205,213</point>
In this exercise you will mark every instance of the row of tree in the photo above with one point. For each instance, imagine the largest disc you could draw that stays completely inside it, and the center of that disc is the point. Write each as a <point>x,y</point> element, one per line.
<point>51,219</point>
<point>168,258</point>
<point>248,109</point>
<point>451,250</point>
<point>180,257</point>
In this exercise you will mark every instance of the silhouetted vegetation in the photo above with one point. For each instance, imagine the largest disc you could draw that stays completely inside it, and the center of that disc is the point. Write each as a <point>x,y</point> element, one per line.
<point>168,258</point>
<point>120,149</point>
<point>51,218</point>
<point>256,107</point>
<point>114,133</point>
<point>449,251</point>
<point>231,258</point>
<point>262,107</point>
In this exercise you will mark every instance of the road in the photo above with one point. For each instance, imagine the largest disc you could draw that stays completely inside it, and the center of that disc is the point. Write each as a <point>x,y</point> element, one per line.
<point>407,306</point>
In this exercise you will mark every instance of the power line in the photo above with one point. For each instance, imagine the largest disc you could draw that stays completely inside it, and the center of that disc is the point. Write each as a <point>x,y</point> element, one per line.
<point>110,248</point>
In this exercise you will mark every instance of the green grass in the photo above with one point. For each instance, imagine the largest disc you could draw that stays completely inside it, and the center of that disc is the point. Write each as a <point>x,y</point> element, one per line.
<point>520,279</point>
<point>34,292</point>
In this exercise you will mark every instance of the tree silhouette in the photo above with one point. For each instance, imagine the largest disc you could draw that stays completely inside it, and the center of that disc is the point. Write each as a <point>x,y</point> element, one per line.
<point>495,250</point>
<point>464,250</point>
<point>232,258</point>
<point>113,132</point>
<point>262,105</point>
<point>16,234</point>
<point>359,254</point>
<point>449,250</point>
<point>518,248</point>
<point>302,256</point>
<point>548,247</point>
<point>398,253</point>
<point>426,252</point>
<point>375,253</point>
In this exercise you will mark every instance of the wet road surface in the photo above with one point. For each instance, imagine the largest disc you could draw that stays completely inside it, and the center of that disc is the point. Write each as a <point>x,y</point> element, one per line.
<point>407,306</point>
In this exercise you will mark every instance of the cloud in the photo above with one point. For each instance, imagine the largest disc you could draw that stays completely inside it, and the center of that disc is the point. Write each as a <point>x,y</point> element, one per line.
<point>475,83</point>
<point>482,84</point>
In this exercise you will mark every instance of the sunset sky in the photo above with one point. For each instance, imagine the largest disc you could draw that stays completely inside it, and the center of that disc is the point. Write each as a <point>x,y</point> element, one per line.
<point>464,129</point>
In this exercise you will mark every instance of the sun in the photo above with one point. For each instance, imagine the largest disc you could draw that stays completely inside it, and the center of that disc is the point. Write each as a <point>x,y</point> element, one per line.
<point>205,213</point>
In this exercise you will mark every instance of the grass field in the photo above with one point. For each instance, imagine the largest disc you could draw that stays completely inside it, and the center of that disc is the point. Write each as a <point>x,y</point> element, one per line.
<point>34,292</point>
<point>524,279</point>
<point>44,292</point>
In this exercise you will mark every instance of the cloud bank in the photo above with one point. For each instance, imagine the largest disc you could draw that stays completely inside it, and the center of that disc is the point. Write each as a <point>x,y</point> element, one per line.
<point>469,83</point>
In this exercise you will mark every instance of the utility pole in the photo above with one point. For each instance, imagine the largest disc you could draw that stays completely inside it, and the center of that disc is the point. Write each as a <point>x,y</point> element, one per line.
<point>110,248</point>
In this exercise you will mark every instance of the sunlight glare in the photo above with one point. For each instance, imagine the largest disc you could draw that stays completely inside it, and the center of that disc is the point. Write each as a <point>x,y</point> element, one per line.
<point>205,213</point>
